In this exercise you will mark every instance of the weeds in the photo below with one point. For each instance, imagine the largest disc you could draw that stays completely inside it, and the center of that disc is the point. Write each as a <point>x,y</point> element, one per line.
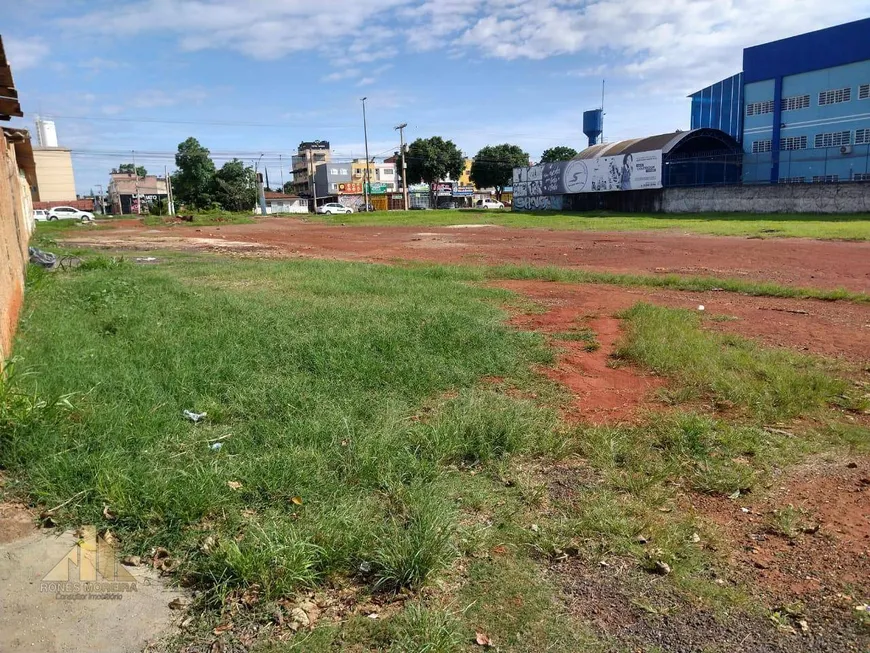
<point>788,522</point>
<point>734,224</point>
<point>309,374</point>
<point>770,384</point>
<point>585,335</point>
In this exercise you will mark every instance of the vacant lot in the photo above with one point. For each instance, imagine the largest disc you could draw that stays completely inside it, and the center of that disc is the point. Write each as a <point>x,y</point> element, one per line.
<point>446,457</point>
<point>827,265</point>
<point>851,227</point>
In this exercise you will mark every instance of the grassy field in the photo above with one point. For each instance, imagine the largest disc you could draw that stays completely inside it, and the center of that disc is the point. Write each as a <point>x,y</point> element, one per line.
<point>381,431</point>
<point>849,227</point>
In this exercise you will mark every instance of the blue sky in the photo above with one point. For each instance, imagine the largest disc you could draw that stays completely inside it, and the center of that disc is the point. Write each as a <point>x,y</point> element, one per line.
<point>247,77</point>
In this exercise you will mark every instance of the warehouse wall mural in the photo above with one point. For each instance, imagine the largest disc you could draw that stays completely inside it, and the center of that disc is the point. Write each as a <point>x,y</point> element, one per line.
<point>532,186</point>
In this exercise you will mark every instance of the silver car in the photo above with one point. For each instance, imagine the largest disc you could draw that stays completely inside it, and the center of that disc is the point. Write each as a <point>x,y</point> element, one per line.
<point>69,213</point>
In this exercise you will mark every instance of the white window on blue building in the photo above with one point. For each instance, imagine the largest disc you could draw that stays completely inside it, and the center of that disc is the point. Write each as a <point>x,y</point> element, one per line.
<point>835,97</point>
<point>862,136</point>
<point>793,143</point>
<point>795,102</point>
<point>759,108</point>
<point>761,146</point>
<point>826,179</point>
<point>833,139</point>
<point>861,176</point>
<point>864,92</point>
<point>792,180</point>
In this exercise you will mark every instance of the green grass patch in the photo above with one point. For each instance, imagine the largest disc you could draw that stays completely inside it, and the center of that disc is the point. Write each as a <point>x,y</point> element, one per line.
<point>668,281</point>
<point>770,384</point>
<point>312,374</point>
<point>585,335</point>
<point>803,225</point>
<point>199,219</point>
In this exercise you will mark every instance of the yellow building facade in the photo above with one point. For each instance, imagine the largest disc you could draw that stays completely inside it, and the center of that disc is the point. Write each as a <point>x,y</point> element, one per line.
<point>465,177</point>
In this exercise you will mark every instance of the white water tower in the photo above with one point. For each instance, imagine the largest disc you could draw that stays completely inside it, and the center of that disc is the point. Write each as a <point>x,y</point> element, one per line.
<point>46,133</point>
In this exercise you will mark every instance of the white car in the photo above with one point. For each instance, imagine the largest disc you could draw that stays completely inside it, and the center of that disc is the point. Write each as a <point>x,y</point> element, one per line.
<point>490,204</point>
<point>69,213</point>
<point>332,208</point>
<point>40,215</point>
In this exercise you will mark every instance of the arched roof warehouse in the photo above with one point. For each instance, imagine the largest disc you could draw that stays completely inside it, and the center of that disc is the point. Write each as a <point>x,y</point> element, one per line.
<point>690,158</point>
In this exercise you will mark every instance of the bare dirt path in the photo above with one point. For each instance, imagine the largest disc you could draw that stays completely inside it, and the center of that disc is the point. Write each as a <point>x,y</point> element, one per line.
<point>836,329</point>
<point>801,262</point>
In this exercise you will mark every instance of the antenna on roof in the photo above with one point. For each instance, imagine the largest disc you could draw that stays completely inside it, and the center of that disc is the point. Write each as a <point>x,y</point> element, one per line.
<point>602,110</point>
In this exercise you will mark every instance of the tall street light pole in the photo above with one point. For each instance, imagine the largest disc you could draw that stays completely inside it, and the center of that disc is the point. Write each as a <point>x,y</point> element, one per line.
<point>366,178</point>
<point>404,164</point>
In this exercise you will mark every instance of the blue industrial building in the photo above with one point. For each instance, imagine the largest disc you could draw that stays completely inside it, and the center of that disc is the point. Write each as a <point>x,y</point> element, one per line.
<point>800,108</point>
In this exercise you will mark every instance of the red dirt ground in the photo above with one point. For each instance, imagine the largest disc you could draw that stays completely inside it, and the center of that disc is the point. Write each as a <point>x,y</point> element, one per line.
<point>801,262</point>
<point>829,562</point>
<point>602,394</point>
<point>835,329</point>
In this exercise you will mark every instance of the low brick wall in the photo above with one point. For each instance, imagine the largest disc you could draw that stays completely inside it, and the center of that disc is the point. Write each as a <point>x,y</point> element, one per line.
<point>782,198</point>
<point>15,228</point>
<point>81,205</point>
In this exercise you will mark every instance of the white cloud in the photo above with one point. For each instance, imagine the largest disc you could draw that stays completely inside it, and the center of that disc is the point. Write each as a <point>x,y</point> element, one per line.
<point>366,81</point>
<point>684,43</point>
<point>341,75</point>
<point>157,98</point>
<point>25,53</point>
<point>260,29</point>
<point>99,64</point>
<point>674,47</point>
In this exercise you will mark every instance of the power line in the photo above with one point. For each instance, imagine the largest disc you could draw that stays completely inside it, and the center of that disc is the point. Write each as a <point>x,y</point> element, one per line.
<point>216,123</point>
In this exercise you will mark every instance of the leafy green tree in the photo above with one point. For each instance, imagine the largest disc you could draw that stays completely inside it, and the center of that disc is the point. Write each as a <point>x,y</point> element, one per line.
<point>194,181</point>
<point>235,187</point>
<point>433,159</point>
<point>494,164</point>
<point>288,188</point>
<point>129,168</point>
<point>558,153</point>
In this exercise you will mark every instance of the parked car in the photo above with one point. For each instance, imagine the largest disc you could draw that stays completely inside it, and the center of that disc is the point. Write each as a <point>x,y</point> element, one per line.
<point>332,208</point>
<point>40,215</point>
<point>366,208</point>
<point>489,204</point>
<point>69,213</point>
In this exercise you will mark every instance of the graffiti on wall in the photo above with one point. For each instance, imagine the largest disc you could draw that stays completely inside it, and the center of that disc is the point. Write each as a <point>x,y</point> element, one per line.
<point>537,203</point>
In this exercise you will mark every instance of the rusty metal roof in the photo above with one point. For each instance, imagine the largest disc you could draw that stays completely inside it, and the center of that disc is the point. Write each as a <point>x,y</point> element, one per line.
<point>663,142</point>
<point>9,105</point>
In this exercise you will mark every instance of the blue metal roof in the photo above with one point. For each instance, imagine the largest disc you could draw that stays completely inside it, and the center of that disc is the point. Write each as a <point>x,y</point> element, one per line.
<point>824,48</point>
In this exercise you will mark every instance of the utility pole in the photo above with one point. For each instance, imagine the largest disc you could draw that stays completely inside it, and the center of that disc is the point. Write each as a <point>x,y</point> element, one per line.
<point>401,129</point>
<point>136,172</point>
<point>102,203</point>
<point>366,178</point>
<point>258,180</point>
<point>170,200</point>
<point>281,163</point>
<point>312,184</point>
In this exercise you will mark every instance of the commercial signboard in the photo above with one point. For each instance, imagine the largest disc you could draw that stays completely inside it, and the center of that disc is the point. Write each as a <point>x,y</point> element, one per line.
<point>377,188</point>
<point>418,188</point>
<point>640,170</point>
<point>463,191</point>
<point>442,189</point>
<point>350,188</point>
